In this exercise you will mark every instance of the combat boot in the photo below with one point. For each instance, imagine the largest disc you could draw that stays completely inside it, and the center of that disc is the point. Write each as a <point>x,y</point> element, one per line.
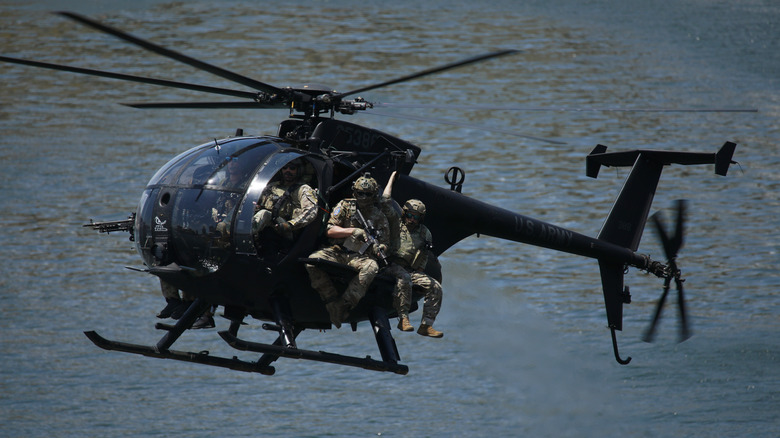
<point>167,311</point>
<point>178,312</point>
<point>427,330</point>
<point>334,310</point>
<point>404,325</point>
<point>205,321</point>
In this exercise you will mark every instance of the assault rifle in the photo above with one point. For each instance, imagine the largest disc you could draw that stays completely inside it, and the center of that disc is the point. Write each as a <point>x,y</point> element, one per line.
<point>112,226</point>
<point>371,238</point>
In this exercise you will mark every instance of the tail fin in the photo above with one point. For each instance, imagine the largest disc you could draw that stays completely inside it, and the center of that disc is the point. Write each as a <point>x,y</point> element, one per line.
<point>615,295</point>
<point>626,221</point>
<point>628,216</point>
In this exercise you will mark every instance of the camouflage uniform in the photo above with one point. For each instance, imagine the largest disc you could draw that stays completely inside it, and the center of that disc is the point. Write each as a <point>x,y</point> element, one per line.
<point>295,204</point>
<point>408,259</point>
<point>344,216</point>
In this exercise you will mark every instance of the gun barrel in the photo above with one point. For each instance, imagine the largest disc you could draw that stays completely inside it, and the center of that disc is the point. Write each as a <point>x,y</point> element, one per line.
<point>371,237</point>
<point>113,226</point>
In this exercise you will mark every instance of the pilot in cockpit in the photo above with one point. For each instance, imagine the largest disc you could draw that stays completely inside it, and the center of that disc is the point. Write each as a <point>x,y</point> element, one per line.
<point>230,175</point>
<point>287,204</point>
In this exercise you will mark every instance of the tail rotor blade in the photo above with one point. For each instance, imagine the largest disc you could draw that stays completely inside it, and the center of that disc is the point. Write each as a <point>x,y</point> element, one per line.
<point>678,239</point>
<point>663,236</point>
<point>685,331</point>
<point>650,333</point>
<point>671,247</point>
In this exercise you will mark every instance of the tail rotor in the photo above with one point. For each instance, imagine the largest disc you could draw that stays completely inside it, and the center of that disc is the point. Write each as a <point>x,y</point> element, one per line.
<point>671,245</point>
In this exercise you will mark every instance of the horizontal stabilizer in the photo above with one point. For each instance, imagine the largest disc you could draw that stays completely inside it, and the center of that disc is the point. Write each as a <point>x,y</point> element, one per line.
<point>600,157</point>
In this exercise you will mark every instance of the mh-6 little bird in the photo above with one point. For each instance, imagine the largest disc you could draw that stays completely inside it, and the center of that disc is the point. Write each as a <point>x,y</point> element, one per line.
<point>176,227</point>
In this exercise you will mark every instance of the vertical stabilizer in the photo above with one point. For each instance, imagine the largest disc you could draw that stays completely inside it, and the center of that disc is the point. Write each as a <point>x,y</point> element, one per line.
<point>628,216</point>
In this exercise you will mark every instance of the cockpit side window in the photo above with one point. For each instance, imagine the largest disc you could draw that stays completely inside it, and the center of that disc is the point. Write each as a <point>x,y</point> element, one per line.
<point>168,173</point>
<point>234,172</point>
<point>266,177</point>
<point>197,172</point>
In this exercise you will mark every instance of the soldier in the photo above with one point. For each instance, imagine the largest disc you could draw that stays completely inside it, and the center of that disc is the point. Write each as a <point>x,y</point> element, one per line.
<point>347,237</point>
<point>231,174</point>
<point>287,203</point>
<point>175,306</point>
<point>409,256</point>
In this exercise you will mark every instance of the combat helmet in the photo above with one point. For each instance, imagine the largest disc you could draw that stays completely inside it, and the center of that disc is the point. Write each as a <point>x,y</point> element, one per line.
<point>365,189</point>
<point>415,207</point>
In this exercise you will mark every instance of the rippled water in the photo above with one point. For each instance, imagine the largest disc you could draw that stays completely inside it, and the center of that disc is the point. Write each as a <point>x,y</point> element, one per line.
<point>526,352</point>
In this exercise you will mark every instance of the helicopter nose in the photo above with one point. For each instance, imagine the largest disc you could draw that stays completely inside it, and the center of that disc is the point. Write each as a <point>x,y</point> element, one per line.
<point>191,230</point>
<point>196,210</point>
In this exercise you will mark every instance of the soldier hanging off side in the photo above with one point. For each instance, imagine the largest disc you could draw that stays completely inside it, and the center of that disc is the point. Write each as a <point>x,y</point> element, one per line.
<point>409,256</point>
<point>358,234</point>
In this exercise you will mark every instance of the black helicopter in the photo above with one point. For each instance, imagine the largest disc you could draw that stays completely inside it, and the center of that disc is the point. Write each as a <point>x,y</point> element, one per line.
<point>176,235</point>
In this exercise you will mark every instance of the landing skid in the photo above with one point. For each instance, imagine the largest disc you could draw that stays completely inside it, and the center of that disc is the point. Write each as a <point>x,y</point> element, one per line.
<point>201,358</point>
<point>284,346</point>
<point>162,351</point>
<point>319,356</point>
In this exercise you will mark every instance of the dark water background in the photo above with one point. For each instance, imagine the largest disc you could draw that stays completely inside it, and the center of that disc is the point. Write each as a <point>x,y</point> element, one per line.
<point>526,351</point>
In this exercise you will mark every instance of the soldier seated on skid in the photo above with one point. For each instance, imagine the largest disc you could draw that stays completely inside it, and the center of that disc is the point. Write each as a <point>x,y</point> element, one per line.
<point>408,256</point>
<point>348,245</point>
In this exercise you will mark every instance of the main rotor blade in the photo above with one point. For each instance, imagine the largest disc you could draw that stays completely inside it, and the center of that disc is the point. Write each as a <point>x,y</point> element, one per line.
<point>463,125</point>
<point>235,77</point>
<point>204,105</point>
<point>564,109</point>
<point>430,71</point>
<point>125,77</point>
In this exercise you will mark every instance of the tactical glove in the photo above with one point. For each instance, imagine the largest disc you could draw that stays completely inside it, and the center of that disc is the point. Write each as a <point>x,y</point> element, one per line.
<point>283,227</point>
<point>359,234</point>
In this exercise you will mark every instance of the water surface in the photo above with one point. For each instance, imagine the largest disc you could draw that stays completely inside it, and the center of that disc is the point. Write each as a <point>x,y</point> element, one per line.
<point>526,351</point>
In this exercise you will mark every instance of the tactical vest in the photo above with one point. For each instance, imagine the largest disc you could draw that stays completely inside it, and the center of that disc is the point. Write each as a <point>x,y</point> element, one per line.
<point>280,201</point>
<point>344,216</point>
<point>413,246</point>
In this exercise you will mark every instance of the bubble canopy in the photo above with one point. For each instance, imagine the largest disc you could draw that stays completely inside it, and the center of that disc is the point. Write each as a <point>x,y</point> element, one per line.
<point>197,209</point>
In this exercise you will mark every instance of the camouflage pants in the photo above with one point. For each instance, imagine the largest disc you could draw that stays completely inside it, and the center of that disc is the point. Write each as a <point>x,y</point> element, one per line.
<point>356,290</point>
<point>169,292</point>
<point>402,294</point>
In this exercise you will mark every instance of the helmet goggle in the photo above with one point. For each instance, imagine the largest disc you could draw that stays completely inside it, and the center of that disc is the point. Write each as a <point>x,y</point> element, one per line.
<point>414,216</point>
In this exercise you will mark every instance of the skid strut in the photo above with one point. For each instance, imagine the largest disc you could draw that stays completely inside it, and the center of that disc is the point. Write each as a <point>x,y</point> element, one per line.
<point>201,358</point>
<point>284,346</point>
<point>319,356</point>
<point>161,349</point>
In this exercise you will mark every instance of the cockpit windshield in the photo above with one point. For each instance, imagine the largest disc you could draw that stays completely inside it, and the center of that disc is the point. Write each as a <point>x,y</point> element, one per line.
<point>190,205</point>
<point>221,166</point>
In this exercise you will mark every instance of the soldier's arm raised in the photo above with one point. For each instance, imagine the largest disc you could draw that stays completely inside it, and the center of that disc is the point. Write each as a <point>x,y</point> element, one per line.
<point>389,187</point>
